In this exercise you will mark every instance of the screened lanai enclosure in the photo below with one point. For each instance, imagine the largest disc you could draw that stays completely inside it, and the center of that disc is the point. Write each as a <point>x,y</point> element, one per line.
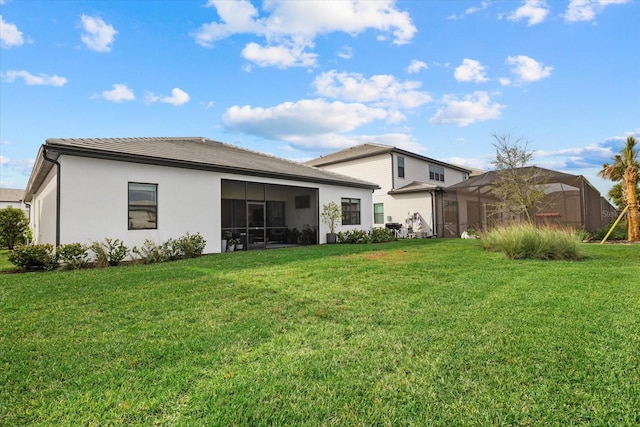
<point>570,200</point>
<point>265,216</point>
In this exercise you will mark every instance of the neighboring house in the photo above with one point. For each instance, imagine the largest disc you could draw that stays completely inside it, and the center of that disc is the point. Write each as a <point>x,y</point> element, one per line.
<point>570,200</point>
<point>411,185</point>
<point>13,198</point>
<point>134,189</point>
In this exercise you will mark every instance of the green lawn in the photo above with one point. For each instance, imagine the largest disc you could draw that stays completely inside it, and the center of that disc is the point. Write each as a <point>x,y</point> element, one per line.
<point>5,265</point>
<point>416,332</point>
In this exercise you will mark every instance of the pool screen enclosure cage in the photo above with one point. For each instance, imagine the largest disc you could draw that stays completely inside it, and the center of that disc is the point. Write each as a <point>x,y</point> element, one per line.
<point>569,200</point>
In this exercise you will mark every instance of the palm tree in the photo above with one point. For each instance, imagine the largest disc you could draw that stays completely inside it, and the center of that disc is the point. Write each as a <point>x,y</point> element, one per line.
<point>625,168</point>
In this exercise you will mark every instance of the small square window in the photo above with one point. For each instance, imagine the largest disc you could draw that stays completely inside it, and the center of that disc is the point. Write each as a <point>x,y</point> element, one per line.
<point>350,211</point>
<point>436,173</point>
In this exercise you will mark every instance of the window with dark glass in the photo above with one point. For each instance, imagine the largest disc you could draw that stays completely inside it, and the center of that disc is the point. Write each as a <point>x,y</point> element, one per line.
<point>143,206</point>
<point>350,211</point>
<point>436,173</point>
<point>378,213</point>
<point>400,167</point>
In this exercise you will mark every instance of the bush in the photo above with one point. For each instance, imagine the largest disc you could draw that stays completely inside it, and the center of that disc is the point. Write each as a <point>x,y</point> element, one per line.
<point>375,235</point>
<point>109,253</point>
<point>34,257</point>
<point>73,256</point>
<point>189,246</point>
<point>382,235</point>
<point>13,227</point>
<point>525,241</point>
<point>618,233</point>
<point>151,253</point>
<point>354,237</point>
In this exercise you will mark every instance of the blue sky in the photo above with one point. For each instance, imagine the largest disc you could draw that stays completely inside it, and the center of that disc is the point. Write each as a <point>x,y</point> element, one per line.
<point>299,79</point>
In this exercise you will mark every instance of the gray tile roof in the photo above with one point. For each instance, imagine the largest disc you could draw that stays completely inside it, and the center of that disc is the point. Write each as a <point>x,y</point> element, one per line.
<point>11,195</point>
<point>187,152</point>
<point>369,150</point>
<point>415,187</point>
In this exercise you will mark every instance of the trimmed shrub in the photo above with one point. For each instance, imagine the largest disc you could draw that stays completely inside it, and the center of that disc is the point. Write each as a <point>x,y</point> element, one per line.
<point>151,253</point>
<point>526,241</point>
<point>354,237</point>
<point>110,252</point>
<point>190,246</point>
<point>73,255</point>
<point>618,233</point>
<point>381,235</point>
<point>375,235</point>
<point>34,257</point>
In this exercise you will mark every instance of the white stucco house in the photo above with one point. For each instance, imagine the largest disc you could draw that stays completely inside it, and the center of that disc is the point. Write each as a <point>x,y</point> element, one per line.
<point>411,189</point>
<point>133,189</point>
<point>13,198</point>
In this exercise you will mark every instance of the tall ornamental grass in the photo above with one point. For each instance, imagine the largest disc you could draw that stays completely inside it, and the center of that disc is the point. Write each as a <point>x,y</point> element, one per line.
<point>526,241</point>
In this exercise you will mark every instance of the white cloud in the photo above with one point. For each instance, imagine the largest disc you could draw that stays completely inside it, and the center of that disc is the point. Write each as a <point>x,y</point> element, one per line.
<point>97,34</point>
<point>528,69</point>
<point>416,66</point>
<point>471,10</point>
<point>382,90</point>
<point>476,107</point>
<point>178,97</point>
<point>237,17</point>
<point>290,120</point>
<point>475,9</point>
<point>293,26</point>
<point>586,10</point>
<point>594,155</point>
<point>346,52</point>
<point>475,163</point>
<point>119,93</point>
<point>9,34</point>
<point>278,56</point>
<point>535,11</point>
<point>334,141</point>
<point>470,71</point>
<point>22,166</point>
<point>33,80</point>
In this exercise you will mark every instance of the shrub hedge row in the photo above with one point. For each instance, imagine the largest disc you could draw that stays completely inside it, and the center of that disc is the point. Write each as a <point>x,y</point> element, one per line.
<point>374,235</point>
<point>110,252</point>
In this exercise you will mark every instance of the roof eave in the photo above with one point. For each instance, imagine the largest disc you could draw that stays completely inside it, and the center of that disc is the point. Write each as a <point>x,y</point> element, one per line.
<point>136,158</point>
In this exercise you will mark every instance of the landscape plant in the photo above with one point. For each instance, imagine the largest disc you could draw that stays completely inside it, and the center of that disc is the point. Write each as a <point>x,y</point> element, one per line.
<point>73,256</point>
<point>190,245</point>
<point>618,233</point>
<point>13,227</point>
<point>110,252</point>
<point>374,235</point>
<point>150,252</point>
<point>526,241</point>
<point>36,257</point>
<point>330,215</point>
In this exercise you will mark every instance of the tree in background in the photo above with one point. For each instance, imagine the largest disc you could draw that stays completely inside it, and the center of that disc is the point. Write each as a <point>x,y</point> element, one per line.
<point>519,188</point>
<point>625,168</point>
<point>13,226</point>
<point>616,195</point>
